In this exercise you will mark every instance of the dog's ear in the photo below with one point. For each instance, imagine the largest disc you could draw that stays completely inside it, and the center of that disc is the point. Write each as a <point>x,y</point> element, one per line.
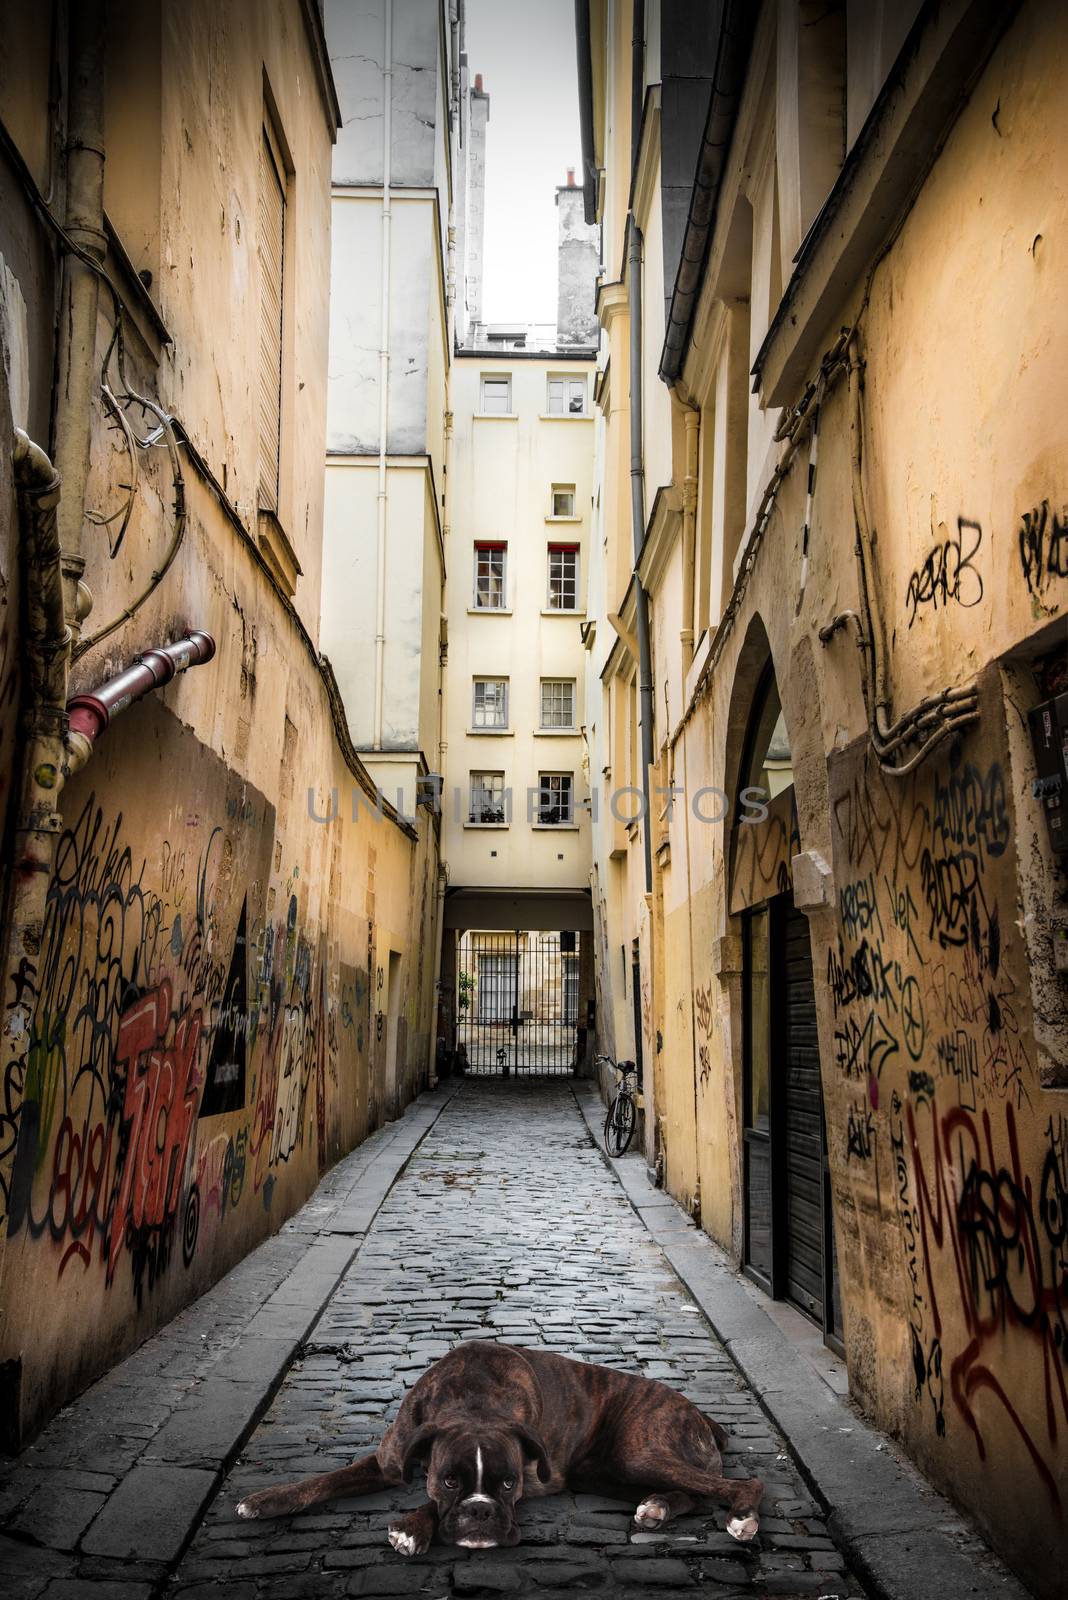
<point>534,1449</point>
<point>417,1451</point>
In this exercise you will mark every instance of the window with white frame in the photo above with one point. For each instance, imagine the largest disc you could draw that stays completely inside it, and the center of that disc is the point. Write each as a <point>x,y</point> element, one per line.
<point>571,990</point>
<point>489,575</point>
<point>488,801</point>
<point>554,798</point>
<point>496,394</point>
<point>558,702</point>
<point>563,500</point>
<point>567,397</point>
<point>496,987</point>
<point>563,577</point>
<point>489,706</point>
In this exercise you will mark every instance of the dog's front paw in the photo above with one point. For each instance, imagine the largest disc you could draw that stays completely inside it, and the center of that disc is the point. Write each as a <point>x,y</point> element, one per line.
<point>264,1503</point>
<point>652,1513</point>
<point>406,1544</point>
<point>743,1528</point>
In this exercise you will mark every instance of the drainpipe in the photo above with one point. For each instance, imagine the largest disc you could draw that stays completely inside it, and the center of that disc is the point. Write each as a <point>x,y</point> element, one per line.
<point>637,79</point>
<point>77,321</point>
<point>383,376</point>
<point>637,513</point>
<point>692,422</point>
<point>91,714</point>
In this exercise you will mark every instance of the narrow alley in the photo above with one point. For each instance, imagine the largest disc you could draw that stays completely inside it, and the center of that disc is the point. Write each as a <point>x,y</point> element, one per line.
<point>504,1222</point>
<point>533,588</point>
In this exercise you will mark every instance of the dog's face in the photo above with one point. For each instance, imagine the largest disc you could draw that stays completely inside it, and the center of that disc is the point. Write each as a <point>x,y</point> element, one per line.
<point>476,1480</point>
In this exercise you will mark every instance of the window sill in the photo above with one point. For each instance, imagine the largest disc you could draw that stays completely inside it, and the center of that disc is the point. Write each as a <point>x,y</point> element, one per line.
<point>557,733</point>
<point>565,416</point>
<point>495,416</point>
<point>277,551</point>
<point>491,733</point>
<point>489,611</point>
<point>555,827</point>
<point>489,827</point>
<point>562,611</point>
<point>563,519</point>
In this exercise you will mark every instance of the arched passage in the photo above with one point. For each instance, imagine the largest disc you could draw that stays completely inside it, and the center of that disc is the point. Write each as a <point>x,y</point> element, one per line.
<point>788,1239</point>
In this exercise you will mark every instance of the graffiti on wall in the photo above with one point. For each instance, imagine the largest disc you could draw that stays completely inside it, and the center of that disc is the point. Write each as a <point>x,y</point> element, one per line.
<point>931,1023</point>
<point>162,999</point>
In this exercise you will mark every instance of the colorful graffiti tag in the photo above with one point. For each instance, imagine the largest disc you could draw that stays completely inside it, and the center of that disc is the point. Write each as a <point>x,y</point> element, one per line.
<point>931,1019</point>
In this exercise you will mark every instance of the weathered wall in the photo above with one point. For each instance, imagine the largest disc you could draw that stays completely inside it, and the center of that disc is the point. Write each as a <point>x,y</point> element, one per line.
<point>942,1024</point>
<point>949,1158</point>
<point>208,1021</point>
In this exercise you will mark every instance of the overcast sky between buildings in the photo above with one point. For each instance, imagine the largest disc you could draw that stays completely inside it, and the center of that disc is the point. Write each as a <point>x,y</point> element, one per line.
<point>525,51</point>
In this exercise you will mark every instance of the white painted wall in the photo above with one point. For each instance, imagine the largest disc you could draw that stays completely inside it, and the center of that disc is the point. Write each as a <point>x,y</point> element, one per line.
<point>500,485</point>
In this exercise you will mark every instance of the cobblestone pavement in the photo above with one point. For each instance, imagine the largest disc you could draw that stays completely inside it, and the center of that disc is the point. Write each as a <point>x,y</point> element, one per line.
<point>505,1224</point>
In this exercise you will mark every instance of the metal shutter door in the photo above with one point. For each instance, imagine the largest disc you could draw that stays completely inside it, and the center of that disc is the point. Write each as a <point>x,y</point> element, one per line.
<point>803,1164</point>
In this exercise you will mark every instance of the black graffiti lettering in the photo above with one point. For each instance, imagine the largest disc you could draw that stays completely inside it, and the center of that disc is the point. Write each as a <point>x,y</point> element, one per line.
<point>860,1134</point>
<point>947,572</point>
<point>859,907</point>
<point>1043,546</point>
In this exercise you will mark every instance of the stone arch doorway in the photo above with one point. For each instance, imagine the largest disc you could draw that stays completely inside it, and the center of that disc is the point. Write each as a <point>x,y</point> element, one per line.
<point>788,1233</point>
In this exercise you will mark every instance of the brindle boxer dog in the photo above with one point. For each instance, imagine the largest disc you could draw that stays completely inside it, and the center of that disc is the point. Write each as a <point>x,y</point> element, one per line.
<point>491,1423</point>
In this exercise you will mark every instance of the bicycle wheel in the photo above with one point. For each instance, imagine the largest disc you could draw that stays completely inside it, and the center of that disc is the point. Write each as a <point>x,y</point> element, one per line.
<point>619,1125</point>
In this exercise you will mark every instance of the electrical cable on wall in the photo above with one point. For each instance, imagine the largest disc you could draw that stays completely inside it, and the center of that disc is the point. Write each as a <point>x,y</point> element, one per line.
<point>118,399</point>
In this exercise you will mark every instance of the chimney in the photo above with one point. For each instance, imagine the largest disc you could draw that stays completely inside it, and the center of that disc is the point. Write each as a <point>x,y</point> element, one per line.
<point>578,264</point>
<point>474,222</point>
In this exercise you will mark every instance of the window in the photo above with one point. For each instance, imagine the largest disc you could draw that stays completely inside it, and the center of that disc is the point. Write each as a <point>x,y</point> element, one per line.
<point>563,500</point>
<point>490,705</point>
<point>558,702</point>
<point>487,797</point>
<point>271,250</point>
<point>563,577</point>
<point>554,798</point>
<point>567,397</point>
<point>571,990</point>
<point>497,395</point>
<point>489,576</point>
<point>496,987</point>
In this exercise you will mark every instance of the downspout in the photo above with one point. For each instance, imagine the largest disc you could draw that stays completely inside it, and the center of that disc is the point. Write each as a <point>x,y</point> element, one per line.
<point>383,376</point>
<point>76,359</point>
<point>91,714</point>
<point>637,79</point>
<point>692,422</point>
<point>637,514</point>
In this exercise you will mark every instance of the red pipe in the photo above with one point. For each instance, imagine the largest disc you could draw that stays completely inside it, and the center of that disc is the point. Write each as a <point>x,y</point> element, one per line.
<point>90,714</point>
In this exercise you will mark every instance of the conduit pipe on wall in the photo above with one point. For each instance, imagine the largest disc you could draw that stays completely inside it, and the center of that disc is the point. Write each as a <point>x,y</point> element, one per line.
<point>84,224</point>
<point>91,714</point>
<point>383,377</point>
<point>637,513</point>
<point>691,421</point>
<point>933,719</point>
<point>46,655</point>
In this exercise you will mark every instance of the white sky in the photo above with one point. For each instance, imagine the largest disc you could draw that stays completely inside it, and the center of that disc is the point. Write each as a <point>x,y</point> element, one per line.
<point>525,51</point>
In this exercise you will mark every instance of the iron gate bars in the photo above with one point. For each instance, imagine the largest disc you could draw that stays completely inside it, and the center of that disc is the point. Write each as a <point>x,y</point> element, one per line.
<point>519,1001</point>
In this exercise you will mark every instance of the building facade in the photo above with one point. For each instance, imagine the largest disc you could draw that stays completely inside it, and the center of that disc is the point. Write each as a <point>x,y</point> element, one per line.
<point>218,947</point>
<point>839,675</point>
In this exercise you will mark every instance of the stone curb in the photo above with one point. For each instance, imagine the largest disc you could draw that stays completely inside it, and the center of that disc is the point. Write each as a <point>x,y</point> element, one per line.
<point>150,1516</point>
<point>898,1534</point>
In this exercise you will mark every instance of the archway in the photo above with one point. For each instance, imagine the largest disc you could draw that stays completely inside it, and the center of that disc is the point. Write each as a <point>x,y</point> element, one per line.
<point>788,1237</point>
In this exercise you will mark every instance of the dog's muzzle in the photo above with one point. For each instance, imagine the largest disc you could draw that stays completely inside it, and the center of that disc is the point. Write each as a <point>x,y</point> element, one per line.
<point>480,1523</point>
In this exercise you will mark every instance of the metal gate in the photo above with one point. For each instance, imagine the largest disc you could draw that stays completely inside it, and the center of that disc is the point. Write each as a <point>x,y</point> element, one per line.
<point>518,1001</point>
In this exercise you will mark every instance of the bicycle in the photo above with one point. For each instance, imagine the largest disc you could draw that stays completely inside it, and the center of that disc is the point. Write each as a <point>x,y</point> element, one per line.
<point>622,1111</point>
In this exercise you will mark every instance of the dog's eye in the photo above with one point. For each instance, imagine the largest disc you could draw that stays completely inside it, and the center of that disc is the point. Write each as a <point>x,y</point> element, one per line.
<point>508,1483</point>
<point>450,1483</point>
